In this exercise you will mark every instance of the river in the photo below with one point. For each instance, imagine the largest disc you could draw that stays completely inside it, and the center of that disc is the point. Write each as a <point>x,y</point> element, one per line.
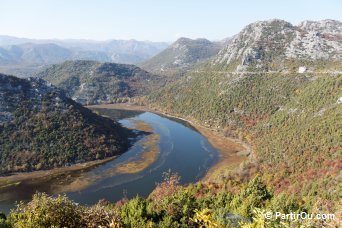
<point>171,144</point>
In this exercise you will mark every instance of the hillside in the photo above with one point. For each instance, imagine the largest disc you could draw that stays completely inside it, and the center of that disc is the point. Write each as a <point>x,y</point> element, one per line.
<point>181,56</point>
<point>90,82</point>
<point>40,128</point>
<point>290,115</point>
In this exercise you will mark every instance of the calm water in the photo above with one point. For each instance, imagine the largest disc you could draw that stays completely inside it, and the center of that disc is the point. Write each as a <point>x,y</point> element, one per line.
<point>182,150</point>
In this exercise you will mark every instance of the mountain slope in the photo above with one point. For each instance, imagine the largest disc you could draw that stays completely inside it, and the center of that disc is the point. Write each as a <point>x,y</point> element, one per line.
<point>40,128</point>
<point>90,82</point>
<point>251,89</point>
<point>181,56</point>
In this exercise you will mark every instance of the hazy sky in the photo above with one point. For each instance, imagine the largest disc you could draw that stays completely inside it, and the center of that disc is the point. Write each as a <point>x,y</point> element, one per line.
<point>155,20</point>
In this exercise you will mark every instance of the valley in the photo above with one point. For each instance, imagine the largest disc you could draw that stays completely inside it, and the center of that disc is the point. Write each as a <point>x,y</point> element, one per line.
<point>197,133</point>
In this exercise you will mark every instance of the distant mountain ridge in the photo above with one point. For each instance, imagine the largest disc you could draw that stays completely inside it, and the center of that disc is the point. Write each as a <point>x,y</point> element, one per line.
<point>182,55</point>
<point>22,56</point>
<point>33,54</point>
<point>91,82</point>
<point>41,128</point>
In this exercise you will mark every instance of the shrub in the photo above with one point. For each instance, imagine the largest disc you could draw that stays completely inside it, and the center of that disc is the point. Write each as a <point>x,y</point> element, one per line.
<point>100,216</point>
<point>3,222</point>
<point>166,188</point>
<point>45,211</point>
<point>134,213</point>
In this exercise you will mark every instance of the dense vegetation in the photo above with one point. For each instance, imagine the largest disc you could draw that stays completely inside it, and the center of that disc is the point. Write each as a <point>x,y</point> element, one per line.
<point>291,120</point>
<point>45,129</point>
<point>90,82</point>
<point>302,141</point>
<point>229,204</point>
<point>226,99</point>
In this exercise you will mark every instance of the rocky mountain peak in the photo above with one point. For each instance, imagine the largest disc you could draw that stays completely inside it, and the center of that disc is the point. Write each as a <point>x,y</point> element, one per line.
<point>272,42</point>
<point>187,41</point>
<point>182,55</point>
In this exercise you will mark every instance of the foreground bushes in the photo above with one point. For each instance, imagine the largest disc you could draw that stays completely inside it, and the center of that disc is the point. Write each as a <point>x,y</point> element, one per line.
<point>198,205</point>
<point>46,211</point>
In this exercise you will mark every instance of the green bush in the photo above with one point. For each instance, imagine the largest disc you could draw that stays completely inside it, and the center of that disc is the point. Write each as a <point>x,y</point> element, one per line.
<point>196,205</point>
<point>3,222</point>
<point>134,213</point>
<point>45,211</point>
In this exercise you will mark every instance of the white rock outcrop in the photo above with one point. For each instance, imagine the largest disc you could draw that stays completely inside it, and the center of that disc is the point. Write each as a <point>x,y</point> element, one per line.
<point>278,40</point>
<point>301,69</point>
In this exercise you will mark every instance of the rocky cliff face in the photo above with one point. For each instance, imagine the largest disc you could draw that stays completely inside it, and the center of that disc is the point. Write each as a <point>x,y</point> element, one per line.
<point>41,128</point>
<point>272,45</point>
<point>316,40</point>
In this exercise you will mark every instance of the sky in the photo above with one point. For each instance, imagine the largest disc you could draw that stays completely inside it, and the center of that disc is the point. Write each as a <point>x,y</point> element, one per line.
<point>154,20</point>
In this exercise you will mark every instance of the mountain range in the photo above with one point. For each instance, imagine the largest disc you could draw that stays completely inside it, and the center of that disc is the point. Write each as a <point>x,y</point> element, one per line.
<point>22,56</point>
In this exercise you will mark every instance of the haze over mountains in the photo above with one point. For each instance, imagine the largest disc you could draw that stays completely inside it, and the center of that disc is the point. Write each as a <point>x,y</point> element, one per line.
<point>22,56</point>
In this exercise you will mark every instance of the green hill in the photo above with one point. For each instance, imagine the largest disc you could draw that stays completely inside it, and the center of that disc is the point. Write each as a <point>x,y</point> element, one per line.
<point>40,128</point>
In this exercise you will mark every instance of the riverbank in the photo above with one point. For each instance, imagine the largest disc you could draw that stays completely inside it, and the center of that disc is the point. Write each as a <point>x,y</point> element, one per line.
<point>46,176</point>
<point>68,179</point>
<point>232,151</point>
<point>138,163</point>
<point>55,171</point>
